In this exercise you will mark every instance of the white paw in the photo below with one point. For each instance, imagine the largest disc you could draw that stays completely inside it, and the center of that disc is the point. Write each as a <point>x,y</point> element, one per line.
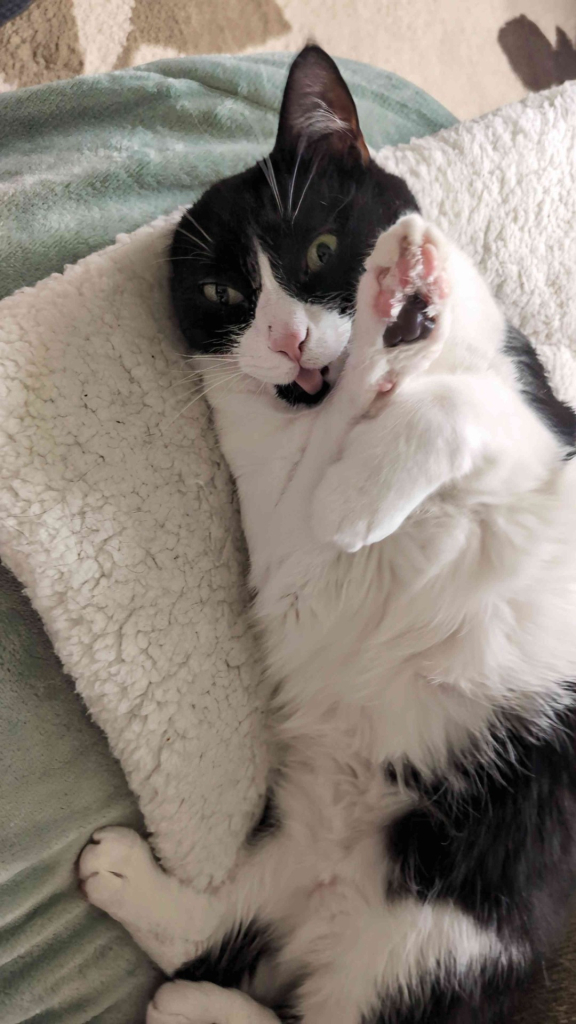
<point>402,312</point>
<point>185,1002</point>
<point>118,872</point>
<point>349,525</point>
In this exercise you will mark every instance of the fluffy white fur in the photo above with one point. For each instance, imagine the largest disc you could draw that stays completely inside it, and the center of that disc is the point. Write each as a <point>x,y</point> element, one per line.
<point>121,499</point>
<point>260,351</point>
<point>412,550</point>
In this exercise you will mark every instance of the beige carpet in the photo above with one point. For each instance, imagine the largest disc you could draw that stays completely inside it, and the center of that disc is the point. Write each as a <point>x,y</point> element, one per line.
<point>472,55</point>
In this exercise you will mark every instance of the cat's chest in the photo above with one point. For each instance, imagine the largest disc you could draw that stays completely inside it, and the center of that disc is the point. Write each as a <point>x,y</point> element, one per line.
<point>268,449</point>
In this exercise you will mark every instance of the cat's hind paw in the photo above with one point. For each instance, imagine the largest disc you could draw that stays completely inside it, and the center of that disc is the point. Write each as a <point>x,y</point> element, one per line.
<point>117,872</point>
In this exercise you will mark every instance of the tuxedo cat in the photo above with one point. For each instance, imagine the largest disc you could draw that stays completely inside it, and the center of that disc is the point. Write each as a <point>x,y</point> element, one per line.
<point>409,501</point>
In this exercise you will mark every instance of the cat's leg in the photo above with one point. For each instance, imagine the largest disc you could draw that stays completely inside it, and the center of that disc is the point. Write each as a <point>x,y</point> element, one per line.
<point>425,438</point>
<point>404,307</point>
<point>185,1002</point>
<point>413,432</point>
<point>169,921</point>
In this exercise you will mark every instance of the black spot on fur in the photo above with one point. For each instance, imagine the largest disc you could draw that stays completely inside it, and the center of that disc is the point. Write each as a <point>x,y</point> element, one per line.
<point>234,959</point>
<point>287,1013</point>
<point>561,418</point>
<point>497,837</point>
<point>269,821</point>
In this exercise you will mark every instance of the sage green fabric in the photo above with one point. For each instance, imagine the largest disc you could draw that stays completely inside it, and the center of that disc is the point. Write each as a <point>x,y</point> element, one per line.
<point>81,161</point>
<point>61,962</point>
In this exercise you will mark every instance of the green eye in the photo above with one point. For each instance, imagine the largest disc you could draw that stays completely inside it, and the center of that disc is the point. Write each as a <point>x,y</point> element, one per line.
<point>221,294</point>
<point>321,251</point>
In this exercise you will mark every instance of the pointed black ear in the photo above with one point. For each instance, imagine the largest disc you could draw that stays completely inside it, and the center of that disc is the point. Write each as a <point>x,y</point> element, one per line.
<point>317,105</point>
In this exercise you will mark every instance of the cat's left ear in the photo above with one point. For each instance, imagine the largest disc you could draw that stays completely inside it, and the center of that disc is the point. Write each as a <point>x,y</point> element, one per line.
<point>318,109</point>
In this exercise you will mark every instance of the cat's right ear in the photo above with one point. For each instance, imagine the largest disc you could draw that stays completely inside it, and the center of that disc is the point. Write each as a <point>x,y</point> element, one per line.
<point>318,109</point>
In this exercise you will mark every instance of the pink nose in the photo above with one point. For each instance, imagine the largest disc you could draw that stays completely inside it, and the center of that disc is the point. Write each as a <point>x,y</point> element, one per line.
<point>289,341</point>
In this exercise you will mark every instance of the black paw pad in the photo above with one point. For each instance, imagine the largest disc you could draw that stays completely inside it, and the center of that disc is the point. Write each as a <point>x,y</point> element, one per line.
<point>413,323</point>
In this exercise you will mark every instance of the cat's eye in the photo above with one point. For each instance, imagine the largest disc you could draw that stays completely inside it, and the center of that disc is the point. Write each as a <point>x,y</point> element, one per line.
<point>222,294</point>
<point>321,251</point>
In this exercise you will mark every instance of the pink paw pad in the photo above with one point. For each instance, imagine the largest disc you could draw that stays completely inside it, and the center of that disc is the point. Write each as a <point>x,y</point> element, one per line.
<point>409,294</point>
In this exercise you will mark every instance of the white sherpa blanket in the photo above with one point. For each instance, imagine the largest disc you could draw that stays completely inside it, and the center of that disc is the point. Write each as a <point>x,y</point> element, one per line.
<point>117,512</point>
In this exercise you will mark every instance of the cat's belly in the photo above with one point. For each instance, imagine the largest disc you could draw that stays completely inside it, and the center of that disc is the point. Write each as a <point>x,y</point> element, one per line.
<point>334,870</point>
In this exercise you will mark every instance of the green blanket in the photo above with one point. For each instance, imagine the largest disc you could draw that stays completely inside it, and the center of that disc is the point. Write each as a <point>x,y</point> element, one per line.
<point>80,162</point>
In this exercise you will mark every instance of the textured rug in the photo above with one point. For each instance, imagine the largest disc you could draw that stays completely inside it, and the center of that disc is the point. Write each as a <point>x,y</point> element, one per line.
<point>472,57</point>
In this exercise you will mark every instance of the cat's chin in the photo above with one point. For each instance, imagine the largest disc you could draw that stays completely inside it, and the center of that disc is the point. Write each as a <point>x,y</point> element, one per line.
<point>294,395</point>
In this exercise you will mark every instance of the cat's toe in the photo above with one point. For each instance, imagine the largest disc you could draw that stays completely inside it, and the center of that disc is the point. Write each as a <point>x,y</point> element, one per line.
<point>172,1004</point>
<point>409,266</point>
<point>114,867</point>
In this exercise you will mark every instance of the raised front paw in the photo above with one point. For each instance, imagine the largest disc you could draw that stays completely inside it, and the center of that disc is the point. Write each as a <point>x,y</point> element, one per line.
<point>401,305</point>
<point>408,265</point>
<point>118,872</point>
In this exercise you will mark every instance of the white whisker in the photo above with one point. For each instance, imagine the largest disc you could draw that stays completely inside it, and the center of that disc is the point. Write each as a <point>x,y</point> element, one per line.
<point>199,226</point>
<point>201,395</point>
<point>293,182</point>
<point>268,172</point>
<point>197,241</point>
<point>305,189</point>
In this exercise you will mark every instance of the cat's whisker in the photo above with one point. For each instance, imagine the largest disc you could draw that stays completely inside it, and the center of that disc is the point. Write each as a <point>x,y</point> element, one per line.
<point>201,376</point>
<point>210,355</point>
<point>198,226</point>
<point>202,394</point>
<point>305,189</point>
<point>198,257</point>
<point>197,241</point>
<point>267,169</point>
<point>293,182</point>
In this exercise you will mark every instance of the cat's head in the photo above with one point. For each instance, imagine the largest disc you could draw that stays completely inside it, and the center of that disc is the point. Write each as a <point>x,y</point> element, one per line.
<point>267,262</point>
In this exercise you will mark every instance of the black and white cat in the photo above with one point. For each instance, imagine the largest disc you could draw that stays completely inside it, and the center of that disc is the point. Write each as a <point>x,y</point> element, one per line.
<point>410,507</point>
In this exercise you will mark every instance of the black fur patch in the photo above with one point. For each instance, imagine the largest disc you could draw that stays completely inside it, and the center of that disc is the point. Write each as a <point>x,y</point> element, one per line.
<point>497,837</point>
<point>235,959</point>
<point>233,964</point>
<point>488,998</point>
<point>311,184</point>
<point>287,1012</point>
<point>561,418</point>
<point>293,394</point>
<point>269,821</point>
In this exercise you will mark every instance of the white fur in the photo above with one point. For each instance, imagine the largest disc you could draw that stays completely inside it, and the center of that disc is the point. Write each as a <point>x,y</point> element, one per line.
<point>182,1002</point>
<point>326,332</point>
<point>415,570</point>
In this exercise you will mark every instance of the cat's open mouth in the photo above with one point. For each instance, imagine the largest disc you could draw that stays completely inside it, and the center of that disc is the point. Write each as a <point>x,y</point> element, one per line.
<point>309,380</point>
<point>309,388</point>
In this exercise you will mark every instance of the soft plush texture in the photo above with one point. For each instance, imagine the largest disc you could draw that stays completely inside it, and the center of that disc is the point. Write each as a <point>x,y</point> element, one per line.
<point>118,514</point>
<point>81,160</point>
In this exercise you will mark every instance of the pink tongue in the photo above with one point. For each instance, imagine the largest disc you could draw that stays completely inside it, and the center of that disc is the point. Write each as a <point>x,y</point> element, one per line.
<point>309,380</point>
